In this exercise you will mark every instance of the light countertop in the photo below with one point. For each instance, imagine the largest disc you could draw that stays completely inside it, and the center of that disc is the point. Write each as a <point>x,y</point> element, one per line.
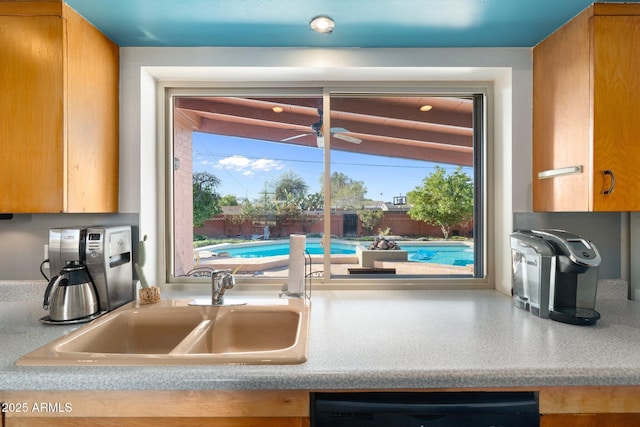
<point>370,340</point>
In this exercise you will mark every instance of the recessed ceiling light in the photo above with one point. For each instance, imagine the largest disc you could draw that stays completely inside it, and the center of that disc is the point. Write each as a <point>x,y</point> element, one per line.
<point>277,109</point>
<point>322,24</point>
<point>426,108</point>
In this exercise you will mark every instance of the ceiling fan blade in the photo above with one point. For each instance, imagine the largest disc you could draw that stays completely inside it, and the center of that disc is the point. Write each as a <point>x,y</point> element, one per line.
<point>348,138</point>
<point>339,130</point>
<point>296,137</point>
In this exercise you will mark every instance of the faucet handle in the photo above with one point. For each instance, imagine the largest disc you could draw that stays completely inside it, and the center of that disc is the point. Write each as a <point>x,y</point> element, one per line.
<point>219,272</point>
<point>228,281</point>
<point>221,280</point>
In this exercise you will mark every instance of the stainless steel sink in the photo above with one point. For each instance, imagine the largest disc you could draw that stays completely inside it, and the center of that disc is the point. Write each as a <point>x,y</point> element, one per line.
<point>175,333</point>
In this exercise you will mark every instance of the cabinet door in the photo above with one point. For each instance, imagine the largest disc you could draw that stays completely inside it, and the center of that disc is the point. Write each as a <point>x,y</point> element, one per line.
<point>616,103</point>
<point>157,422</point>
<point>590,420</point>
<point>562,118</point>
<point>92,117</point>
<point>32,111</point>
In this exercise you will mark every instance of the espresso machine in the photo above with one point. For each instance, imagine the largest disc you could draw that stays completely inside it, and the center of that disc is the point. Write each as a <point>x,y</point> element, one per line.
<point>93,272</point>
<point>555,275</point>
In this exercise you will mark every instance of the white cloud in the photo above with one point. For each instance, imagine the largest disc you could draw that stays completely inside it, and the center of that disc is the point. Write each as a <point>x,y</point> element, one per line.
<point>234,162</point>
<point>248,167</point>
<point>206,163</point>
<point>267,165</point>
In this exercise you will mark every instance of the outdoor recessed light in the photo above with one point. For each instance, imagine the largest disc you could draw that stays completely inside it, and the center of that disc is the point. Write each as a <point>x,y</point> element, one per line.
<point>277,109</point>
<point>322,24</point>
<point>426,108</point>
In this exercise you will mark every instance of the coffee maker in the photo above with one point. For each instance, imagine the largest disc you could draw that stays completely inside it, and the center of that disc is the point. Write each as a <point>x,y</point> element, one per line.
<point>555,275</point>
<point>106,255</point>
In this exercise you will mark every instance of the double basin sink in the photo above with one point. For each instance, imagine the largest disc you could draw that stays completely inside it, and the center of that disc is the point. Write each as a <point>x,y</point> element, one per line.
<point>172,332</point>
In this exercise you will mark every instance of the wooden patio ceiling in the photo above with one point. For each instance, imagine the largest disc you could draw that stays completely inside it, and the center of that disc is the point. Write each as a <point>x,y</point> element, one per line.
<point>386,126</point>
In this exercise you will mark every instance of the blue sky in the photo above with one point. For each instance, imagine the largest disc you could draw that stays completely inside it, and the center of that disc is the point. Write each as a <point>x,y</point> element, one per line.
<point>244,166</point>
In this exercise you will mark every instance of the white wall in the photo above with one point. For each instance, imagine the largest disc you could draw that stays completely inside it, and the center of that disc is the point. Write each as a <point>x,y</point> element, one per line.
<point>146,69</point>
<point>22,239</point>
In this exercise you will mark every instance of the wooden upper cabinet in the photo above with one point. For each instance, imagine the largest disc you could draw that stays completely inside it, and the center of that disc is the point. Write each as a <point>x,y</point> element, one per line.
<point>586,105</point>
<point>59,113</point>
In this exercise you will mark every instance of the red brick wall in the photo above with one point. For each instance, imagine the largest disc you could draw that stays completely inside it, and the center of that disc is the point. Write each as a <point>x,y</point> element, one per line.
<point>222,225</point>
<point>183,193</point>
<point>400,224</point>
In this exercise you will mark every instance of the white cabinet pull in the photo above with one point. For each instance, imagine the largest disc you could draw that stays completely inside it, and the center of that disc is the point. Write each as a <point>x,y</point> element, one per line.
<point>613,182</point>
<point>551,173</point>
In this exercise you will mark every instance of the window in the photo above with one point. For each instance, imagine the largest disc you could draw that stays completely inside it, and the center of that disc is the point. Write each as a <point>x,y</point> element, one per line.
<point>382,184</point>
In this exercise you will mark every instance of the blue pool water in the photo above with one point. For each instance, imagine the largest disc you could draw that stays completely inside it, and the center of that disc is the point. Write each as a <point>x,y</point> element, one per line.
<point>449,255</point>
<point>453,254</point>
<point>259,251</point>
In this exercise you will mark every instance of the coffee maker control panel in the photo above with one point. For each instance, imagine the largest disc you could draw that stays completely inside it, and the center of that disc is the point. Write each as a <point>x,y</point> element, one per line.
<point>580,251</point>
<point>94,243</point>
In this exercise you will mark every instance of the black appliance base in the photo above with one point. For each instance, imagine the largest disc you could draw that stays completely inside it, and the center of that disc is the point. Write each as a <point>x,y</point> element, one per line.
<point>575,316</point>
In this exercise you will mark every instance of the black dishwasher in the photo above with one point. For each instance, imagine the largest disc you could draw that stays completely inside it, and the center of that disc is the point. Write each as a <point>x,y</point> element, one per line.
<point>408,409</point>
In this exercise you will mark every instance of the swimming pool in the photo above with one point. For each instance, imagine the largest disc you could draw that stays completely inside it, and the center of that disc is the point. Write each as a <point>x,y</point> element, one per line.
<point>454,254</point>
<point>441,253</point>
<point>280,248</point>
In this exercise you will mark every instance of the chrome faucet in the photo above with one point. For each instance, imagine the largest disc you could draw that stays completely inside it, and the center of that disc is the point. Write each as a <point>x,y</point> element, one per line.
<point>221,280</point>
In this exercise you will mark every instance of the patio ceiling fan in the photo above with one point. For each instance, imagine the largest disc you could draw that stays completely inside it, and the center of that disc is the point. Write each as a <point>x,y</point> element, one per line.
<point>316,129</point>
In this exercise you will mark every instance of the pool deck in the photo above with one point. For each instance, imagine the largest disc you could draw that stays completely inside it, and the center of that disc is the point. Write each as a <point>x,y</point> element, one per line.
<point>278,266</point>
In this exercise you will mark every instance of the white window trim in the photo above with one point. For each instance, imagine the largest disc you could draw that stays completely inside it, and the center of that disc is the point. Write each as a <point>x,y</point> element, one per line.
<point>145,73</point>
<point>171,89</point>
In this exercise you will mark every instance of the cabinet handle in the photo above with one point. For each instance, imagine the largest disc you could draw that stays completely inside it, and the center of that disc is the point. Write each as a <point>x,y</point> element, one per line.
<point>613,182</point>
<point>551,173</point>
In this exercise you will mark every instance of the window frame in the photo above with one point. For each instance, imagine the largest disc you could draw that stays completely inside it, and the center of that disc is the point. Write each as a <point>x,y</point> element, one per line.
<point>482,95</point>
